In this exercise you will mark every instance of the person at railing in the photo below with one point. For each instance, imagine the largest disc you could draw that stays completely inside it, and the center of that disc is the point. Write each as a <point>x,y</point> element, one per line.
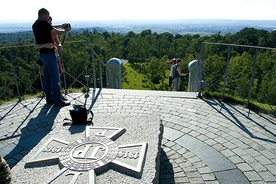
<point>43,37</point>
<point>57,48</point>
<point>177,74</point>
<point>170,65</point>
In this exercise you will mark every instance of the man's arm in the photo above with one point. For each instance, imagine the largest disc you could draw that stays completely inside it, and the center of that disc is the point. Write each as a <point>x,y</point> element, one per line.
<point>45,45</point>
<point>180,73</point>
<point>59,26</point>
<point>65,27</point>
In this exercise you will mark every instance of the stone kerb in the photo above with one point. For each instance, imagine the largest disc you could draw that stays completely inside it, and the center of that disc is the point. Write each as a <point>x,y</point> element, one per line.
<point>116,149</point>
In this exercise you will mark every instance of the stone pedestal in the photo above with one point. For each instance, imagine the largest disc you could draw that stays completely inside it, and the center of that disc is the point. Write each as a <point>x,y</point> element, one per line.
<point>114,73</point>
<point>117,149</point>
<point>195,76</point>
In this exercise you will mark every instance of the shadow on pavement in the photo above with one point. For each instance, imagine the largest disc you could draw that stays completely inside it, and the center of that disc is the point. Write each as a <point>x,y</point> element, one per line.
<point>35,130</point>
<point>235,120</point>
<point>166,173</point>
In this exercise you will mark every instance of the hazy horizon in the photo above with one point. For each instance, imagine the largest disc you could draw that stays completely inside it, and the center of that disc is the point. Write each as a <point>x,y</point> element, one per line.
<point>138,20</point>
<point>176,26</point>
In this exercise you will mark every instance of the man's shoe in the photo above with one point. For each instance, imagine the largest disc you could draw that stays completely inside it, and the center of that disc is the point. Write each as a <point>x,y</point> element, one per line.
<point>63,98</point>
<point>62,104</point>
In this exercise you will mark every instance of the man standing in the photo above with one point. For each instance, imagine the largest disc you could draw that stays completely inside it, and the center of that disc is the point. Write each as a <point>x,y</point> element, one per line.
<point>177,74</point>
<point>42,30</point>
<point>170,65</point>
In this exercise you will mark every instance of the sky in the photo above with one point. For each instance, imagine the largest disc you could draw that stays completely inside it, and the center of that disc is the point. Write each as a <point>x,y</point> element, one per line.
<point>81,10</point>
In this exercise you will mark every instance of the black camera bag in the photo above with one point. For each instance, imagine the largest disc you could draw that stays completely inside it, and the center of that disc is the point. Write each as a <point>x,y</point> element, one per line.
<point>79,115</point>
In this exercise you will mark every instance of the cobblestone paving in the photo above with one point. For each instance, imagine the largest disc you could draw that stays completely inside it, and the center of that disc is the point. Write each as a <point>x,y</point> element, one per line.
<point>204,141</point>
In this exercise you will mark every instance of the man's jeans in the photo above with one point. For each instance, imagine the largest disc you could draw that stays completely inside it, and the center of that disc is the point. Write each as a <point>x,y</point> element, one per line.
<point>51,77</point>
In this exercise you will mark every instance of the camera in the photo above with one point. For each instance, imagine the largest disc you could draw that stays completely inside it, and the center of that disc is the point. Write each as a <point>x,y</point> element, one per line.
<point>67,26</point>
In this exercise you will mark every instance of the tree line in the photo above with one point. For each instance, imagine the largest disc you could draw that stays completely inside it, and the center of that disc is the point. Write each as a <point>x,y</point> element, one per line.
<point>148,51</point>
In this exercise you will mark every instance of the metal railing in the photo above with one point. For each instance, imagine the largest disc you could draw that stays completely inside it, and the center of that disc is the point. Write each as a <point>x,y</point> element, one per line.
<point>88,67</point>
<point>20,75</point>
<point>225,83</point>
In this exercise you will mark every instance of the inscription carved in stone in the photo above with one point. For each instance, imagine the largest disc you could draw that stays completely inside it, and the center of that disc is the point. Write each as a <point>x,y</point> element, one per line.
<point>96,151</point>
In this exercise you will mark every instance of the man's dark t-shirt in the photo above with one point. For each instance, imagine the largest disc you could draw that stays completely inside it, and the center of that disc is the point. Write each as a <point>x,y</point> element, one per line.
<point>42,32</point>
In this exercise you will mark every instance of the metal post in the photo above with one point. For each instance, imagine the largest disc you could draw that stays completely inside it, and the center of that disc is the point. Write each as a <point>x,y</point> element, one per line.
<point>86,77</point>
<point>252,78</point>
<point>64,72</point>
<point>41,83</point>
<point>201,59</point>
<point>94,69</point>
<point>226,71</point>
<point>15,77</point>
<point>101,75</point>
<point>201,55</point>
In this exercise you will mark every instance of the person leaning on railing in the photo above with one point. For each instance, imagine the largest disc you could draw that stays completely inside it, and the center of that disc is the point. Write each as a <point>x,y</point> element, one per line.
<point>42,30</point>
<point>177,74</point>
<point>170,65</point>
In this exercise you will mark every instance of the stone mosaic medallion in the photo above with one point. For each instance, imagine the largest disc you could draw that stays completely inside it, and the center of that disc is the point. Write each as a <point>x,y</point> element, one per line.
<point>96,152</point>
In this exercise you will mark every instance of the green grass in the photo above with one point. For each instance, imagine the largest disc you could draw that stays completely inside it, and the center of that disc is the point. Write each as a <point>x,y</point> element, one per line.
<point>135,79</point>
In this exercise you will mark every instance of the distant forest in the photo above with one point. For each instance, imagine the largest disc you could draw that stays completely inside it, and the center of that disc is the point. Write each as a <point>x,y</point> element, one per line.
<point>148,51</point>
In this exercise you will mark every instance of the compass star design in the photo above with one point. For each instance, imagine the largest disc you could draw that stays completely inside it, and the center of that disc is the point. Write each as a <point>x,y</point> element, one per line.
<point>93,153</point>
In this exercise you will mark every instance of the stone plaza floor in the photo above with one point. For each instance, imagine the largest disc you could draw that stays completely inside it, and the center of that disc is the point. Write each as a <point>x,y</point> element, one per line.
<point>204,141</point>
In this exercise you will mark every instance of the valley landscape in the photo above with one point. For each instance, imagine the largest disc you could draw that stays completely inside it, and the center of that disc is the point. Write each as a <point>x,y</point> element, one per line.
<point>182,26</point>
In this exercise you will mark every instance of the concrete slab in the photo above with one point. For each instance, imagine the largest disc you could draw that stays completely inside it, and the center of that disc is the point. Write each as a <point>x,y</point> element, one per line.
<point>172,134</point>
<point>214,159</point>
<point>231,176</point>
<point>116,149</point>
